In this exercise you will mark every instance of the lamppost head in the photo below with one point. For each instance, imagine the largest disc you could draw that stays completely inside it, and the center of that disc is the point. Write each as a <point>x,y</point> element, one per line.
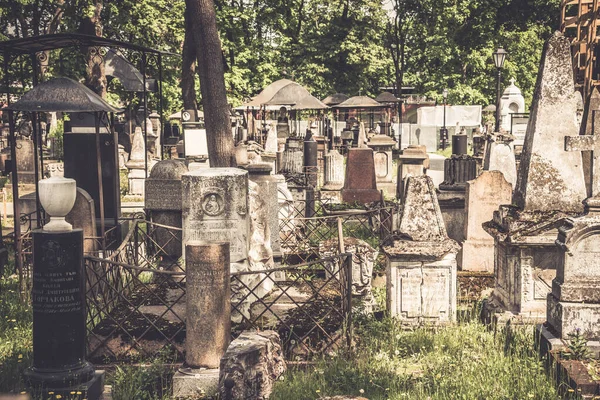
<point>500,57</point>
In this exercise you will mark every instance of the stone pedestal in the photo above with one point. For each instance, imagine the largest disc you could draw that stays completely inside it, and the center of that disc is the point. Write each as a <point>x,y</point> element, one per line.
<point>334,176</point>
<point>360,185</point>
<point>215,208</point>
<point>574,303</point>
<point>483,196</point>
<point>59,314</point>
<point>413,161</point>
<point>421,260</point>
<point>458,169</point>
<point>382,146</point>
<point>163,202</point>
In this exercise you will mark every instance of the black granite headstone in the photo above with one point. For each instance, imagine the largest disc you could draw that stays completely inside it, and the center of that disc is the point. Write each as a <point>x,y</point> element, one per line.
<point>59,314</point>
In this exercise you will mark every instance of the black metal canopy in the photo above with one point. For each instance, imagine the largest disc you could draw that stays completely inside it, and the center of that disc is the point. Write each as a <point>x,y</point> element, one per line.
<point>34,44</point>
<point>61,94</point>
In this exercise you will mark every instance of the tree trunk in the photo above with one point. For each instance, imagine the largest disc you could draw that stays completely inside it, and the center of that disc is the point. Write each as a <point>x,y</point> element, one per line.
<point>188,73</point>
<point>212,83</point>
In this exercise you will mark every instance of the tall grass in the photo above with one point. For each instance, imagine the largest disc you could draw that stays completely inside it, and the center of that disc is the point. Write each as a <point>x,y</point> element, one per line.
<point>464,361</point>
<point>16,343</point>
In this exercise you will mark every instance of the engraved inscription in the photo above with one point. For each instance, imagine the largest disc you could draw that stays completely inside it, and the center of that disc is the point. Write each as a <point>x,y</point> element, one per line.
<point>163,195</point>
<point>56,292</point>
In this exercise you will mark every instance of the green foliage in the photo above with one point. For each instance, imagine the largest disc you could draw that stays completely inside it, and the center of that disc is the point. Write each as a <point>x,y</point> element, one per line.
<point>456,362</point>
<point>150,382</point>
<point>15,334</point>
<point>577,349</point>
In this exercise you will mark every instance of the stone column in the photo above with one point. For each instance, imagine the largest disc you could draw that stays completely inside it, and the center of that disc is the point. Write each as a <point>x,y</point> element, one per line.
<point>215,208</point>
<point>334,170</point>
<point>360,185</point>
<point>59,316</point>
<point>382,154</point>
<point>208,307</point>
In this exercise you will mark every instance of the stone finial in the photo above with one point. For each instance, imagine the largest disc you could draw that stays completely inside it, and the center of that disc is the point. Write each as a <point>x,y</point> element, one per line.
<point>549,178</point>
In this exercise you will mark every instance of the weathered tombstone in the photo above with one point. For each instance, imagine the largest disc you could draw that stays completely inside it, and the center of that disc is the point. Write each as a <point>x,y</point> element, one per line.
<point>512,101</point>
<point>137,164</point>
<point>163,206</point>
<point>501,157</point>
<point>25,161</point>
<point>574,303</point>
<point>252,364</point>
<point>283,127</point>
<point>550,186</point>
<point>483,196</point>
<point>360,185</point>
<point>413,161</point>
<point>363,261</point>
<point>382,146</point>
<point>421,261</point>
<point>215,208</point>
<point>83,216</point>
<point>267,190</point>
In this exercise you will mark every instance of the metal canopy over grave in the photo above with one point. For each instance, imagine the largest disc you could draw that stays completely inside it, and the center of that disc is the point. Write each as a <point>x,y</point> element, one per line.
<point>36,48</point>
<point>64,95</point>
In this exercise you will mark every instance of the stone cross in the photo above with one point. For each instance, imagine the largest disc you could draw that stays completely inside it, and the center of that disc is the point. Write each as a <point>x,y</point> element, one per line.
<point>588,143</point>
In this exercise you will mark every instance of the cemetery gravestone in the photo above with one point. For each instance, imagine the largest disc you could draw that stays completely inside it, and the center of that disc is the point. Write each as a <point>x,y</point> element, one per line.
<point>382,155</point>
<point>25,161</point>
<point>83,216</point>
<point>421,260</point>
<point>80,163</point>
<point>360,185</point>
<point>137,164</point>
<point>163,204</point>
<point>215,208</point>
<point>483,196</point>
<point>550,187</point>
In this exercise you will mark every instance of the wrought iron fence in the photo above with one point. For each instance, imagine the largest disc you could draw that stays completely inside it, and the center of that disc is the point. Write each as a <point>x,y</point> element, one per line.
<point>136,300</point>
<point>309,305</point>
<point>301,237</point>
<point>134,296</point>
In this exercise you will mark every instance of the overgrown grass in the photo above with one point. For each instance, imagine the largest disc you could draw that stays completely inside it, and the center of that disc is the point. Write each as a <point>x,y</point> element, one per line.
<point>151,382</point>
<point>465,361</point>
<point>15,335</point>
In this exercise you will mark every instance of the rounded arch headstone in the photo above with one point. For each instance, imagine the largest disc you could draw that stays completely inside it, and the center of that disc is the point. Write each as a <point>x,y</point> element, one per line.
<point>163,205</point>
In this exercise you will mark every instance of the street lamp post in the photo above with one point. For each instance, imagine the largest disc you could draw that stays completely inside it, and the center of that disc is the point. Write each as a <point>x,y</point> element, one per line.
<point>499,58</point>
<point>444,130</point>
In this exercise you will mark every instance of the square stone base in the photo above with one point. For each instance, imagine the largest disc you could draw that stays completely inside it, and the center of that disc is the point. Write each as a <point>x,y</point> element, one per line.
<point>333,196</point>
<point>547,340</point>
<point>495,315</point>
<point>196,383</point>
<point>422,291</point>
<point>477,255</point>
<point>565,318</point>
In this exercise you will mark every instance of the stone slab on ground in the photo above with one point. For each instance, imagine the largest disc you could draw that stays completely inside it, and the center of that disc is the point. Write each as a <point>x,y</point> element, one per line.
<point>195,383</point>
